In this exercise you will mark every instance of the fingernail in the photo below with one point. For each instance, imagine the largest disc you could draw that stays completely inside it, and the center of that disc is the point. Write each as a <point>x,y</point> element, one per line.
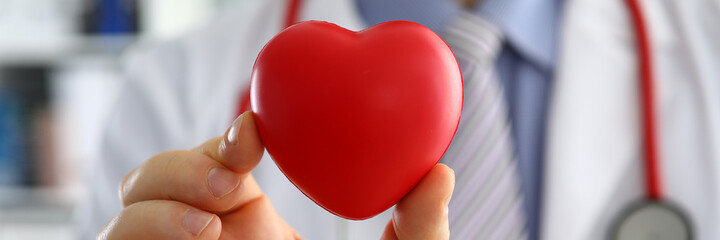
<point>222,181</point>
<point>231,137</point>
<point>196,221</point>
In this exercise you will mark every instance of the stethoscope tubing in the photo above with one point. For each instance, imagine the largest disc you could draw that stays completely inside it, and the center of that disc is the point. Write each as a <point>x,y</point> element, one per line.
<point>646,79</point>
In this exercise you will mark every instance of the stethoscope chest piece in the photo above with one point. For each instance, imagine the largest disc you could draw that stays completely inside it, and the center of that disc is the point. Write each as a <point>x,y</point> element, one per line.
<point>652,220</point>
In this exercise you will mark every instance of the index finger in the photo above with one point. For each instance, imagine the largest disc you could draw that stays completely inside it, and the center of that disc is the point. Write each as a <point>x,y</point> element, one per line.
<point>240,149</point>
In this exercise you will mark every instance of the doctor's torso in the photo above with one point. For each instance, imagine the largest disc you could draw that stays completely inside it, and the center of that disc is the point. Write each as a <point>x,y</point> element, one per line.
<point>181,92</point>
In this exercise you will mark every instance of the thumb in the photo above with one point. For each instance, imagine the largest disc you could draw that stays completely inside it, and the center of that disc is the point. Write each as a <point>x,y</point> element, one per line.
<point>423,213</point>
<point>240,149</point>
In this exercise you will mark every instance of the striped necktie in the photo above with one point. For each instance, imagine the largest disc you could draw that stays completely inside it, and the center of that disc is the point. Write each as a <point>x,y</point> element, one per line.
<point>487,202</point>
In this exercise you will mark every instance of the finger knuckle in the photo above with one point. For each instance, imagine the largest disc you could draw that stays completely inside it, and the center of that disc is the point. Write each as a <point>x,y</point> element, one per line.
<point>166,163</point>
<point>163,164</point>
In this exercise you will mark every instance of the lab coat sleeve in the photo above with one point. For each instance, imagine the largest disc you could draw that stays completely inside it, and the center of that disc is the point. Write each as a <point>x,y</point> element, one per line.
<point>150,116</point>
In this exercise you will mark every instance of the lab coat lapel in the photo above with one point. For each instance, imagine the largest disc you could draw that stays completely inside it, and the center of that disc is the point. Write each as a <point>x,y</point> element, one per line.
<point>592,161</point>
<point>593,157</point>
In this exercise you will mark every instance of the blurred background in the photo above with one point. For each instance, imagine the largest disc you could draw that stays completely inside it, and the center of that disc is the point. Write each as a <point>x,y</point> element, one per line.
<point>59,72</point>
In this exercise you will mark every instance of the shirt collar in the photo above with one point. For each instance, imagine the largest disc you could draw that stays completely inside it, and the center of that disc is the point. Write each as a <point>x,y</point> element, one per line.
<point>433,14</point>
<point>530,27</point>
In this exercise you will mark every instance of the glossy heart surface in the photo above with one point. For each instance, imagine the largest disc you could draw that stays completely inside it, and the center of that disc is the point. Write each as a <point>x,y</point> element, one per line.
<point>356,119</point>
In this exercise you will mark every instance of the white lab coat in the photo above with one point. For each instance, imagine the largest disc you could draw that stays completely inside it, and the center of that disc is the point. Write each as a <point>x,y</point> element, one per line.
<point>182,92</point>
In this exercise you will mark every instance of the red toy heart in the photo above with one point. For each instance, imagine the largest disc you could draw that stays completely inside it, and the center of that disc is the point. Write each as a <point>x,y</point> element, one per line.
<point>356,119</point>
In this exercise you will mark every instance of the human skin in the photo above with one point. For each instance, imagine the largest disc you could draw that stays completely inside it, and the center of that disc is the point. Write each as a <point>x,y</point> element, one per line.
<point>208,193</point>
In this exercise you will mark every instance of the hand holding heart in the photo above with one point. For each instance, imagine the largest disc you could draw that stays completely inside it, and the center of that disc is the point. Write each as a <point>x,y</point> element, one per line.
<point>209,193</point>
<point>356,120</point>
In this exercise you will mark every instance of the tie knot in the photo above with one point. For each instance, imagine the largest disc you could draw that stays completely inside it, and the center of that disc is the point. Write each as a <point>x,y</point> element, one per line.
<point>471,36</point>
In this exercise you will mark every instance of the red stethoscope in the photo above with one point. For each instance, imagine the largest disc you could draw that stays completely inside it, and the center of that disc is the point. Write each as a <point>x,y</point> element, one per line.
<point>652,217</point>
